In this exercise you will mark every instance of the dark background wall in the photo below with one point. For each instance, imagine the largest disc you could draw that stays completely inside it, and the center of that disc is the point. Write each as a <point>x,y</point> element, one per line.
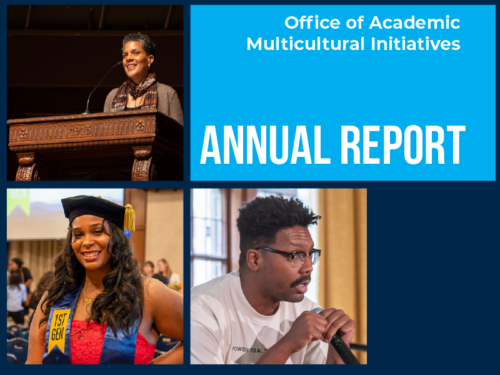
<point>56,55</point>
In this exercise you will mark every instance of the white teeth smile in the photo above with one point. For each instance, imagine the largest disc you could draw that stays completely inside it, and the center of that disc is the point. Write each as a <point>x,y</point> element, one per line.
<point>90,255</point>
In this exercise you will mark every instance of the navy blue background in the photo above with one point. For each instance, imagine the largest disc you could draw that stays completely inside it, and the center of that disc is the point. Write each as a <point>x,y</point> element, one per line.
<point>433,257</point>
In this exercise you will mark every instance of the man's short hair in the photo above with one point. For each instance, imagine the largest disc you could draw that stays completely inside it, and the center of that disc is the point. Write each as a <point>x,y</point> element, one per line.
<point>262,218</point>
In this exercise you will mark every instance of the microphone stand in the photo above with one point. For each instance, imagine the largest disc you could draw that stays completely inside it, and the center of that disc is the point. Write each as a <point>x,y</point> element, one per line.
<point>119,63</point>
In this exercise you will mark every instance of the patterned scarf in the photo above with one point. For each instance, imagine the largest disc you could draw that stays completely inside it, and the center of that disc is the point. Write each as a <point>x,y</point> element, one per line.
<point>147,87</point>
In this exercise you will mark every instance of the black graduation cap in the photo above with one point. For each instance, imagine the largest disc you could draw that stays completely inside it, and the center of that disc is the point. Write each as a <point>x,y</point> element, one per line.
<point>122,217</point>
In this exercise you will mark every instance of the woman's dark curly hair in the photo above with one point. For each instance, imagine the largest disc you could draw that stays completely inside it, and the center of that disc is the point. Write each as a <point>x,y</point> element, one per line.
<point>122,301</point>
<point>43,286</point>
<point>146,42</point>
<point>262,218</point>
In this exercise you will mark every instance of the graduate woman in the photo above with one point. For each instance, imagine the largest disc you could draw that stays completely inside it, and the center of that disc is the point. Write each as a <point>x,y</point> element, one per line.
<point>99,309</point>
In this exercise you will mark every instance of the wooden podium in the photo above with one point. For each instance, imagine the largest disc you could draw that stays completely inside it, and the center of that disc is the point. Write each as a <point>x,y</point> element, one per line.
<point>143,145</point>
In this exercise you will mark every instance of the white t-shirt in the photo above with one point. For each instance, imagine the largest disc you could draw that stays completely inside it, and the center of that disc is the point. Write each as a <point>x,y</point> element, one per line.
<point>225,329</point>
<point>16,297</point>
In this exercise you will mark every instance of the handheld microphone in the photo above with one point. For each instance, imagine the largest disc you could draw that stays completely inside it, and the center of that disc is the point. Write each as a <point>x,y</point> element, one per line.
<point>340,346</point>
<point>119,63</point>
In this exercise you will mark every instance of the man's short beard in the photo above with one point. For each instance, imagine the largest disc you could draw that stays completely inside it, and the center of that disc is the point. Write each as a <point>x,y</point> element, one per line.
<point>290,296</point>
<point>300,280</point>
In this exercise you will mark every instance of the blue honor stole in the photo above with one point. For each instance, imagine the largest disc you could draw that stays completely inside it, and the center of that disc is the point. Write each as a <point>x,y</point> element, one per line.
<point>115,350</point>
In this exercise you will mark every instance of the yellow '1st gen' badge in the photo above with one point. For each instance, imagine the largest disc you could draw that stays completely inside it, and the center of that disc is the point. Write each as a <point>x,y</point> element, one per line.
<point>57,333</point>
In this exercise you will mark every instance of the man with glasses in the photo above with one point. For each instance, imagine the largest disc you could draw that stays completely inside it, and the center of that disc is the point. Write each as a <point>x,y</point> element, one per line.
<point>259,314</point>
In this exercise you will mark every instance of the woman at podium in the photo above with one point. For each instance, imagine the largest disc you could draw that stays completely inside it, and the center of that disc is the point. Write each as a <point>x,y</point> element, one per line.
<point>141,90</point>
<point>99,309</point>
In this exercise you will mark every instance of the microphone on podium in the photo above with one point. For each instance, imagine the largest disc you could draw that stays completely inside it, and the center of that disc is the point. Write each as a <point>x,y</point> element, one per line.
<point>119,63</point>
<point>340,346</point>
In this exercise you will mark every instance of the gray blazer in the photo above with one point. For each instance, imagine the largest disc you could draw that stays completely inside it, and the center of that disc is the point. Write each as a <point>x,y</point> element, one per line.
<point>168,102</point>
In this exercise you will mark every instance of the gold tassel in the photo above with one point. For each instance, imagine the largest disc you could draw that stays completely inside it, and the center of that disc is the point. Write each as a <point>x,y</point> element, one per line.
<point>129,223</point>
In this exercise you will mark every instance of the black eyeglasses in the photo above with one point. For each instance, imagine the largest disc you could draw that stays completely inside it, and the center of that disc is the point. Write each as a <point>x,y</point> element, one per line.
<point>297,258</point>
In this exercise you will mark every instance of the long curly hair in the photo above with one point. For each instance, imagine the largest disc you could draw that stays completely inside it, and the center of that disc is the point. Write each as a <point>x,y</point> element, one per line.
<point>42,287</point>
<point>122,301</point>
